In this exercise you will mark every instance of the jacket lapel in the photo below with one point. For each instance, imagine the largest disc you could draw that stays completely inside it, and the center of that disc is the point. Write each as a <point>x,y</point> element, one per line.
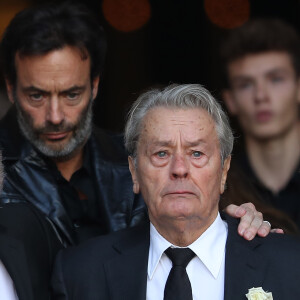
<point>127,272</point>
<point>32,187</point>
<point>244,267</point>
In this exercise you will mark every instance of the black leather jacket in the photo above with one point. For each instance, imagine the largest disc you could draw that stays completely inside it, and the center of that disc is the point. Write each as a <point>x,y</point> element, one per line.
<point>28,179</point>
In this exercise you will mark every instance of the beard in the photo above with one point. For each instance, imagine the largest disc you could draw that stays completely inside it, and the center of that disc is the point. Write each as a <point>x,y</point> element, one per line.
<point>81,131</point>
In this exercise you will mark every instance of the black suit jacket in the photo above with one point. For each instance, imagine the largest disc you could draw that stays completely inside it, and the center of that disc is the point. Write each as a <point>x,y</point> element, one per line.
<point>115,267</point>
<point>28,246</point>
<point>13,257</point>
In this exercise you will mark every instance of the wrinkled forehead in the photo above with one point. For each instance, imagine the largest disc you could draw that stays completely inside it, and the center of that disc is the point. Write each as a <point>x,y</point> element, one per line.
<point>65,57</point>
<point>61,68</point>
<point>168,124</point>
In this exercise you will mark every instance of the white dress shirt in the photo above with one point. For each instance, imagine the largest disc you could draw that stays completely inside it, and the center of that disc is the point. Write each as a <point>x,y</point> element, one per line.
<point>7,289</point>
<point>206,270</point>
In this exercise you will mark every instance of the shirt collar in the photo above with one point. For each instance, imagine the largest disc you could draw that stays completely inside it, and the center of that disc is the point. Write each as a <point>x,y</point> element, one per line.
<point>86,166</point>
<point>207,247</point>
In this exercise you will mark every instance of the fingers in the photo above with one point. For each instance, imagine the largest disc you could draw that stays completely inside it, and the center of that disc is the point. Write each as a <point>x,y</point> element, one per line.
<point>277,230</point>
<point>235,211</point>
<point>264,229</point>
<point>251,221</point>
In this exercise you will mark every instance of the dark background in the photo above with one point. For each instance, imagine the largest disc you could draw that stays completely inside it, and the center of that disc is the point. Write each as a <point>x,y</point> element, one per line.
<point>156,42</point>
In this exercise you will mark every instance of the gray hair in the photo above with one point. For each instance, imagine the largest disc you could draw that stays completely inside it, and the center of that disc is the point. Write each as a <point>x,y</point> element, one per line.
<point>178,96</point>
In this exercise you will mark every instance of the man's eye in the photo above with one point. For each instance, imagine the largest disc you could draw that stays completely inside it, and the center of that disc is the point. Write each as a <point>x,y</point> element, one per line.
<point>36,97</point>
<point>276,79</point>
<point>197,154</point>
<point>243,85</point>
<point>72,96</point>
<point>161,154</point>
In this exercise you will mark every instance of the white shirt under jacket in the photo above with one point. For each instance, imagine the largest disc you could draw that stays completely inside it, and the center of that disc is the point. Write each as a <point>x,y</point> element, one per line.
<point>206,270</point>
<point>7,289</point>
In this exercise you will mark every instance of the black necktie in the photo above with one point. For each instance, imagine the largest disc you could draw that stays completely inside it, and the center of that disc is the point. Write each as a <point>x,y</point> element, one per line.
<point>178,286</point>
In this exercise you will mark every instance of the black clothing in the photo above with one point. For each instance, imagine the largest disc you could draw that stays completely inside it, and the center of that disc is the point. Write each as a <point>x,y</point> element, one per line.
<point>11,139</point>
<point>28,246</point>
<point>111,204</point>
<point>286,200</point>
<point>115,266</point>
<point>79,197</point>
<point>178,285</point>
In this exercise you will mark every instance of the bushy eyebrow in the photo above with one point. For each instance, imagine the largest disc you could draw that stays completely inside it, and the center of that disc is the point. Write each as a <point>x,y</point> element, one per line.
<point>169,143</point>
<point>75,88</point>
<point>251,77</point>
<point>31,89</point>
<point>276,71</point>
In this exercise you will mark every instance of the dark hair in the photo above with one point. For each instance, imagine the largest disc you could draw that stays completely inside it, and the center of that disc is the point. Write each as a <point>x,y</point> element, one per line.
<point>257,36</point>
<point>42,29</point>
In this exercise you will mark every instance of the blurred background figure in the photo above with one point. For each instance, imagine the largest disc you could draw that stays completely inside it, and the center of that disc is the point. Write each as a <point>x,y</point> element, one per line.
<point>239,189</point>
<point>262,68</point>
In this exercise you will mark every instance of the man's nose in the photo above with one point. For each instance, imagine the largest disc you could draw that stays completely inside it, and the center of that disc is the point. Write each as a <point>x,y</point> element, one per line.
<point>55,114</point>
<point>261,92</point>
<point>179,167</point>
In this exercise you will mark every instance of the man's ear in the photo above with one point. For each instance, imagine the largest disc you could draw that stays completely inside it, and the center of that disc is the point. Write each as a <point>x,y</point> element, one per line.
<point>229,101</point>
<point>95,85</point>
<point>225,170</point>
<point>10,90</point>
<point>136,186</point>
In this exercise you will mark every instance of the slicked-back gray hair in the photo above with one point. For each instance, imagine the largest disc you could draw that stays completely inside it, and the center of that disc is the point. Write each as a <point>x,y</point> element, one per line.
<point>178,96</point>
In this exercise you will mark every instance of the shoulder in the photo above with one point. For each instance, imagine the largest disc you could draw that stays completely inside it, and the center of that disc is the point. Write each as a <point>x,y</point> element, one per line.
<point>15,262</point>
<point>272,262</point>
<point>128,236</point>
<point>23,180</point>
<point>18,214</point>
<point>272,246</point>
<point>87,267</point>
<point>33,236</point>
<point>99,250</point>
<point>281,245</point>
<point>26,223</point>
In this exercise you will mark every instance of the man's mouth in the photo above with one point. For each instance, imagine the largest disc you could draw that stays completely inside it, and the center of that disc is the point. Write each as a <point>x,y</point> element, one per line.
<point>181,192</point>
<point>263,116</point>
<point>55,136</point>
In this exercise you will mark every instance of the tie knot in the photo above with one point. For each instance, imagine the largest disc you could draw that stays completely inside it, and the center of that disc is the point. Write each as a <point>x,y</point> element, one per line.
<point>180,256</point>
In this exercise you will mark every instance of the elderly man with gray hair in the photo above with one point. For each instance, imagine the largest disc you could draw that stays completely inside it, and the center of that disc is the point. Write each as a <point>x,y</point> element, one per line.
<point>180,142</point>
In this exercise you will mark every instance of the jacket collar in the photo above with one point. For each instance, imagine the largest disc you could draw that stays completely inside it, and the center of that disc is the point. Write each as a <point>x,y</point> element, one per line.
<point>32,188</point>
<point>127,272</point>
<point>244,267</point>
